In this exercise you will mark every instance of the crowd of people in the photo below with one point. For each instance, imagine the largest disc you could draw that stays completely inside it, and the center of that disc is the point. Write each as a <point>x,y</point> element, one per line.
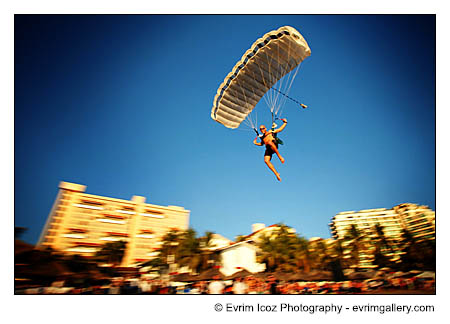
<point>244,285</point>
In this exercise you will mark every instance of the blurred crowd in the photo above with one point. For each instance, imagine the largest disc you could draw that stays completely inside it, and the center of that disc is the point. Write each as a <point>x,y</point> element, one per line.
<point>245,285</point>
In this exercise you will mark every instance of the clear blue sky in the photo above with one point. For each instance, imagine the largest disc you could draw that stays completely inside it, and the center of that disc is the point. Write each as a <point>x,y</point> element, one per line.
<point>122,104</point>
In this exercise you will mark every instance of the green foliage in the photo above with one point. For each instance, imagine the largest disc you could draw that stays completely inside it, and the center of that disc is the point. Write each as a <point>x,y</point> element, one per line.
<point>283,251</point>
<point>420,255</point>
<point>240,238</point>
<point>111,252</point>
<point>404,253</point>
<point>384,253</point>
<point>186,249</point>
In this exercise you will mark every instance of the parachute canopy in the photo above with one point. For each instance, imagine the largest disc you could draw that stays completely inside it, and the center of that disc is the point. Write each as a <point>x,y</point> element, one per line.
<point>268,60</point>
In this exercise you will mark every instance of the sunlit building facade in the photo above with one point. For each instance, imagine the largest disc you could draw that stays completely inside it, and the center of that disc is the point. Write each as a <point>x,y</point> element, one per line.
<point>239,256</point>
<point>242,255</point>
<point>418,220</point>
<point>80,223</point>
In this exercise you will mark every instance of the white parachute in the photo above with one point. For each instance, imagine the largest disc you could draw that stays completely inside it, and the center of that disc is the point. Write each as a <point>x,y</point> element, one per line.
<point>266,70</point>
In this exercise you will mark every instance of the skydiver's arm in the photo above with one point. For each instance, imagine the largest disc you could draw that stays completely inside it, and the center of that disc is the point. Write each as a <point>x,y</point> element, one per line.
<point>282,126</point>
<point>256,142</point>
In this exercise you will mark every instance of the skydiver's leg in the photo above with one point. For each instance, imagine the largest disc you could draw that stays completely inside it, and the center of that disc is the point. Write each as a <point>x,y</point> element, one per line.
<point>275,149</point>
<point>267,159</point>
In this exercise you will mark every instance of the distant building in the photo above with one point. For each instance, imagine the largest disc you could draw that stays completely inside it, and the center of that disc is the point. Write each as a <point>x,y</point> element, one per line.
<point>418,220</point>
<point>242,255</point>
<point>80,223</point>
<point>239,256</point>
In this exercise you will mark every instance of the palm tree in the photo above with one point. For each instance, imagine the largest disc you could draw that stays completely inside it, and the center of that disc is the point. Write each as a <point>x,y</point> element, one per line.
<point>383,252</point>
<point>240,238</point>
<point>320,255</point>
<point>302,256</point>
<point>209,257</point>
<point>337,262</point>
<point>188,250</point>
<point>170,242</point>
<point>428,247</point>
<point>111,252</point>
<point>353,238</point>
<point>184,248</point>
<point>417,254</point>
<point>283,251</point>
<point>268,254</point>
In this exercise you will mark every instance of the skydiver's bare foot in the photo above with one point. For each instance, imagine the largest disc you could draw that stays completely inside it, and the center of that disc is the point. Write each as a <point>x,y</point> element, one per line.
<point>278,176</point>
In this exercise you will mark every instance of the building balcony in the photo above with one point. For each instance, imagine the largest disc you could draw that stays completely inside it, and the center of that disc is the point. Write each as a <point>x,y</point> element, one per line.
<point>77,230</point>
<point>92,244</point>
<point>114,216</point>
<point>87,206</point>
<point>112,221</point>
<point>117,234</point>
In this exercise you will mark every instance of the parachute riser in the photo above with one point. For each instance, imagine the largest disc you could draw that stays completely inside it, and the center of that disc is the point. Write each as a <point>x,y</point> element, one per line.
<point>274,119</point>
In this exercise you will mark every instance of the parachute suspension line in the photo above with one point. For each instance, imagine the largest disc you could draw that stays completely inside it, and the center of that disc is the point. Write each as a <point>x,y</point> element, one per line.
<point>267,70</point>
<point>276,97</point>
<point>280,82</point>
<point>289,80</point>
<point>284,65</point>
<point>252,118</point>
<point>285,81</point>
<point>271,98</point>
<point>255,125</point>
<point>285,94</point>
<point>276,78</point>
<point>291,77</point>
<point>267,95</point>
<point>274,75</point>
<point>248,119</point>
<point>250,122</point>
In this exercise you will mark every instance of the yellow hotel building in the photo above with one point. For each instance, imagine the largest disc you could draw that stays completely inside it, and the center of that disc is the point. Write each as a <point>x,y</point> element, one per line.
<point>80,223</point>
<point>418,220</point>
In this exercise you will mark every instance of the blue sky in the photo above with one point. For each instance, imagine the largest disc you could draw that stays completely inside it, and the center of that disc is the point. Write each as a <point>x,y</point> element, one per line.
<point>122,104</point>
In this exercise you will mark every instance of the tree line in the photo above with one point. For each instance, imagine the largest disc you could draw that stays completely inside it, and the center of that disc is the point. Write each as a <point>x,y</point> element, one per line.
<point>286,251</point>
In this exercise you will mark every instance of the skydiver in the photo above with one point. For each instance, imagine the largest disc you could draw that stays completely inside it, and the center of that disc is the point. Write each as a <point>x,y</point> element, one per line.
<point>268,138</point>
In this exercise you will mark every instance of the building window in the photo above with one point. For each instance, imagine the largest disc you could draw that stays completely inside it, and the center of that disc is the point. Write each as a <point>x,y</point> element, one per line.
<point>153,214</point>
<point>112,221</point>
<point>88,206</point>
<point>129,212</point>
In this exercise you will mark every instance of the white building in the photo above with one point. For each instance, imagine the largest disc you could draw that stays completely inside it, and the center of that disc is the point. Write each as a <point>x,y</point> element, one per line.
<point>240,256</point>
